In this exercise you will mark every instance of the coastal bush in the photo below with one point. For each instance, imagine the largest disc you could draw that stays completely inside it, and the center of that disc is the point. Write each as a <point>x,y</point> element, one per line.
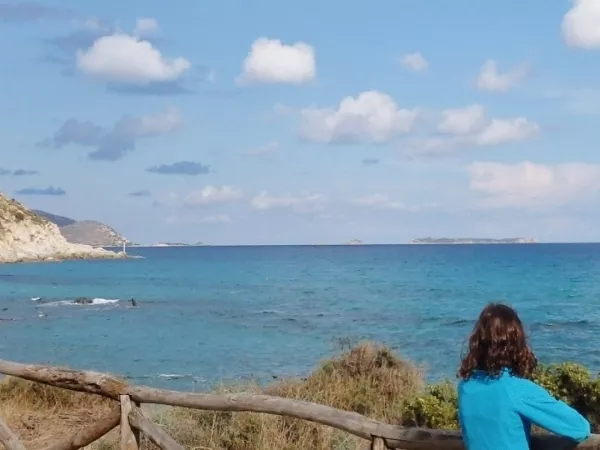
<point>437,408</point>
<point>367,378</point>
<point>569,382</point>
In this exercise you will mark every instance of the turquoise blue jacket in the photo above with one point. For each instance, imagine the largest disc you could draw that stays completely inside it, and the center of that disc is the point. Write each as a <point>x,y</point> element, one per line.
<point>497,413</point>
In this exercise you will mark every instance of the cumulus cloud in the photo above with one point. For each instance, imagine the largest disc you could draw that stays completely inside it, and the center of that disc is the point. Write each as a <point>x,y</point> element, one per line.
<point>461,121</point>
<point>415,62</point>
<point>180,168</point>
<point>467,128</point>
<point>145,26</point>
<point>271,61</point>
<point>66,48</point>
<point>214,195</point>
<point>125,59</point>
<point>372,117</point>
<point>306,202</point>
<point>527,184</point>
<point>51,191</point>
<point>140,193</point>
<point>580,26</point>
<point>24,11</point>
<point>505,131</point>
<point>113,144</point>
<point>491,79</point>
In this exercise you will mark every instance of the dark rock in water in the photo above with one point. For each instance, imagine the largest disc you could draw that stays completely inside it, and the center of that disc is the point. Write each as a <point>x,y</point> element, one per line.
<point>83,301</point>
<point>133,302</point>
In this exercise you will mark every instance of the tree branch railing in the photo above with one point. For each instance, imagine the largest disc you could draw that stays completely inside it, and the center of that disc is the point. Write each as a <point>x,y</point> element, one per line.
<point>128,415</point>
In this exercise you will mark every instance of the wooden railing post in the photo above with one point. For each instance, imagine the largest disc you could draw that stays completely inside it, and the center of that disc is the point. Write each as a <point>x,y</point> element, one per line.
<point>129,440</point>
<point>156,435</point>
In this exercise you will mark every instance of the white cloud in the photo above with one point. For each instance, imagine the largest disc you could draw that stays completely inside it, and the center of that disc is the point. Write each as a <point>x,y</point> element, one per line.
<point>213,195</point>
<point>505,131</point>
<point>158,124</point>
<point>271,61</point>
<point>145,26</point>
<point>581,24</point>
<point>461,121</point>
<point>415,62</point>
<point>527,184</point>
<point>303,203</point>
<point>219,218</point>
<point>371,117</point>
<point>467,128</point>
<point>127,59</point>
<point>490,78</point>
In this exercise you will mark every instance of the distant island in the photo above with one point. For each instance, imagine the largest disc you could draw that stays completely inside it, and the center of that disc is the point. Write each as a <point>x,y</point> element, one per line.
<point>354,242</point>
<point>170,244</point>
<point>430,240</point>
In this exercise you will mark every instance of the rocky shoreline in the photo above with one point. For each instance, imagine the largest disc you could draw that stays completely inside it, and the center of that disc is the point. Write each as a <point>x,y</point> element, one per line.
<point>4,259</point>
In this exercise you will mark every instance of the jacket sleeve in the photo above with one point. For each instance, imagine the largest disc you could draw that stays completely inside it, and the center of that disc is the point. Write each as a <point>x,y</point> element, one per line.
<point>536,404</point>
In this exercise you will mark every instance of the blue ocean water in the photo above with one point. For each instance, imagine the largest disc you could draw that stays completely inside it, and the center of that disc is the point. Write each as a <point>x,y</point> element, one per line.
<point>214,314</point>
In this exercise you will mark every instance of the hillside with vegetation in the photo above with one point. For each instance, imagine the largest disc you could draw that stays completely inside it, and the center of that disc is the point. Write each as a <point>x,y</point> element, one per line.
<point>25,236</point>
<point>89,232</point>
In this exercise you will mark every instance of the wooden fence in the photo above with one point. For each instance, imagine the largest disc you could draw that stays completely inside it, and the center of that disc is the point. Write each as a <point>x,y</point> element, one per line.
<point>128,415</point>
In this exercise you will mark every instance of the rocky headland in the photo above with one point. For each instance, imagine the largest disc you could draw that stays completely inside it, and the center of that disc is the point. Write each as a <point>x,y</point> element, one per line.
<point>25,236</point>
<point>89,232</point>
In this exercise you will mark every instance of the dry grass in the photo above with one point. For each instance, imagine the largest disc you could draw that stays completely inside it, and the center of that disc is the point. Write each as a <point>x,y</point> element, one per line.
<point>368,379</point>
<point>40,414</point>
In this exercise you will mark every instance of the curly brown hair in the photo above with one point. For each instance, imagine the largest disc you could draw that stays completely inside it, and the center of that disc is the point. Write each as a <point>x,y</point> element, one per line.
<point>498,342</point>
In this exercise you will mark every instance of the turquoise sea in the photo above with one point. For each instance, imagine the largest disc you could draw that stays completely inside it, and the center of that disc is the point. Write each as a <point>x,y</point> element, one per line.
<point>212,314</point>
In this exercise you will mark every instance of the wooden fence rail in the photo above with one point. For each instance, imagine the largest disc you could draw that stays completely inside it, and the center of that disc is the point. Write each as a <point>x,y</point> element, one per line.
<point>128,415</point>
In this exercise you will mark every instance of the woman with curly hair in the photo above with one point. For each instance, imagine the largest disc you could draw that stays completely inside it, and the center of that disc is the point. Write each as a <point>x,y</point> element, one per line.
<point>497,402</point>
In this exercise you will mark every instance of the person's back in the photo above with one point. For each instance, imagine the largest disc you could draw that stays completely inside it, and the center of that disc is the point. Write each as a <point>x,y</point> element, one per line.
<point>497,404</point>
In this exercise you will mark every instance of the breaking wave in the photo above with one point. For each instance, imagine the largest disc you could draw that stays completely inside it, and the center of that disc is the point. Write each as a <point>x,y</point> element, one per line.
<point>87,302</point>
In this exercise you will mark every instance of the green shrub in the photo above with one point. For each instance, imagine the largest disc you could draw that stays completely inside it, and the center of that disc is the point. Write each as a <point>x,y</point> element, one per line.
<point>572,383</point>
<point>436,408</point>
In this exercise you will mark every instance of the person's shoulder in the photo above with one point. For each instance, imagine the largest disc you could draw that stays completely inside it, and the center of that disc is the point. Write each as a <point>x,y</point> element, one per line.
<point>519,385</point>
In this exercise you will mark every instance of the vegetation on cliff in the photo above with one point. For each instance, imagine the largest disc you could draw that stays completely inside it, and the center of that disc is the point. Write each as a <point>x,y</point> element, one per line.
<point>368,379</point>
<point>25,236</point>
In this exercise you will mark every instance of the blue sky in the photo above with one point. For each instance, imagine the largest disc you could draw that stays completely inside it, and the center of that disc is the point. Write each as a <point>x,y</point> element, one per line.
<point>247,122</point>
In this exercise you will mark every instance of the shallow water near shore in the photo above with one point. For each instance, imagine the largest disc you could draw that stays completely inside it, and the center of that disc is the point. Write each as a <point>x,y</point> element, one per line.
<point>215,314</point>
